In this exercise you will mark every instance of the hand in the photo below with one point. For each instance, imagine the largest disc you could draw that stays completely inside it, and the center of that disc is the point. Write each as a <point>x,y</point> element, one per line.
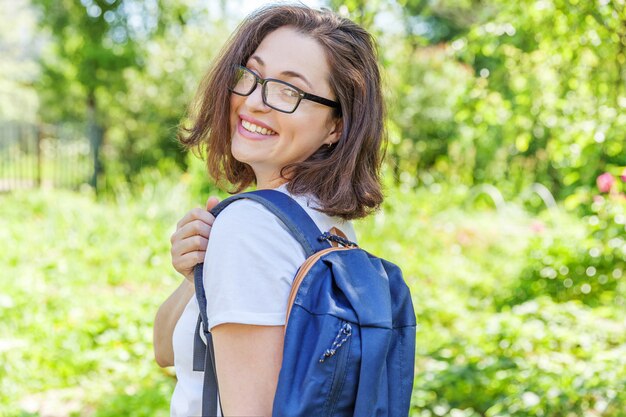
<point>189,241</point>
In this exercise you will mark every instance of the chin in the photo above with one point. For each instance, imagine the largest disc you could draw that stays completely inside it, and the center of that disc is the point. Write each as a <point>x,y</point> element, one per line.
<point>238,153</point>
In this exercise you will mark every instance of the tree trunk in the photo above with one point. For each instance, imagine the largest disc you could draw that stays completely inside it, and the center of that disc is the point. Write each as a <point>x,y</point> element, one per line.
<point>96,134</point>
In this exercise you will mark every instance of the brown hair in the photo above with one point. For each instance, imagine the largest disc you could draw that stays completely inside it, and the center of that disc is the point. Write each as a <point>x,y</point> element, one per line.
<point>344,178</point>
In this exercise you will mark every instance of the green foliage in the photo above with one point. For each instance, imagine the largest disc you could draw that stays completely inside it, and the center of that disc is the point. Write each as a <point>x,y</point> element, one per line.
<point>494,91</point>
<point>93,43</point>
<point>507,93</point>
<point>81,285</point>
<point>18,100</point>
<point>571,259</point>
<point>586,265</point>
<point>537,359</point>
<point>489,342</point>
<point>144,118</point>
<point>546,103</point>
<point>422,119</point>
<point>519,314</point>
<point>82,281</point>
<point>128,68</point>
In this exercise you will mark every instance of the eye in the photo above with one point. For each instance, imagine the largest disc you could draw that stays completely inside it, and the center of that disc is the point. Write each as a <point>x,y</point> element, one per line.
<point>290,92</point>
<point>255,71</point>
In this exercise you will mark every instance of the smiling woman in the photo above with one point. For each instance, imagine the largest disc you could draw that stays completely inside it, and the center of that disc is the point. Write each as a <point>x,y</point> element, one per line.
<point>293,103</point>
<point>322,54</point>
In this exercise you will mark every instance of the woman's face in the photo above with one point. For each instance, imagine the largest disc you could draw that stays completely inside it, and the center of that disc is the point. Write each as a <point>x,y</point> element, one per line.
<point>287,55</point>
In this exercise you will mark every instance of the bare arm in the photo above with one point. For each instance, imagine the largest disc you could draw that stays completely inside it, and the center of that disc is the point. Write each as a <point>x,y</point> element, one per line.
<point>248,360</point>
<point>189,243</point>
<point>166,318</point>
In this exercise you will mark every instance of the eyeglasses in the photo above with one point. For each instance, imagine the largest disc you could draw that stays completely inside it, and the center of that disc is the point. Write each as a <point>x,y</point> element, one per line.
<point>276,94</point>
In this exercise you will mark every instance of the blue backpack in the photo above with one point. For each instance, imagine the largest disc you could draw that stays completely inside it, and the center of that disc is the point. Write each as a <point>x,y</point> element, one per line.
<point>349,347</point>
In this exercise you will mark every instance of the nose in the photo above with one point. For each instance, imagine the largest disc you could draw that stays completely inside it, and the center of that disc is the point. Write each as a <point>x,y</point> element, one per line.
<point>255,100</point>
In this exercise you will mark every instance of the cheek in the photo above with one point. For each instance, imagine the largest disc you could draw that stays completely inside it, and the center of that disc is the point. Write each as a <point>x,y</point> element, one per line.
<point>234,117</point>
<point>316,132</point>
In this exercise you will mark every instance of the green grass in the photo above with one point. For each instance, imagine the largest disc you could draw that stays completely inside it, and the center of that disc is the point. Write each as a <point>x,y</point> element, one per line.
<point>81,281</point>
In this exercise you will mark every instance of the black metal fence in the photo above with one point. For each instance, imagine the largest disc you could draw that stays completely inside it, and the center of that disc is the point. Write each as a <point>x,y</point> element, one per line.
<point>44,156</point>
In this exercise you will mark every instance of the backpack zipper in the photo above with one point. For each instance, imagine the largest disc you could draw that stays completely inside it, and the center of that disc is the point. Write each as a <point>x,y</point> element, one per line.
<point>344,333</point>
<point>339,375</point>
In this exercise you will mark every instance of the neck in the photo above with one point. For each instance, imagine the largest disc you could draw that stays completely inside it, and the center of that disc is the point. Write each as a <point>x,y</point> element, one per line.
<point>264,184</point>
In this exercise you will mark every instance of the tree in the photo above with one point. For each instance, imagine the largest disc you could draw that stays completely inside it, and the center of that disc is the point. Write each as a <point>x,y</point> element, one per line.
<point>93,42</point>
<point>19,46</point>
<point>548,100</point>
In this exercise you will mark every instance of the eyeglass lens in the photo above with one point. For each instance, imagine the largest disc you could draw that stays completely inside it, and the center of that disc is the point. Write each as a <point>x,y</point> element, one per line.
<point>276,94</point>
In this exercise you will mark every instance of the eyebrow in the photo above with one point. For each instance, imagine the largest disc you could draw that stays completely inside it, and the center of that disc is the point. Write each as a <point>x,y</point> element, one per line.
<point>285,73</point>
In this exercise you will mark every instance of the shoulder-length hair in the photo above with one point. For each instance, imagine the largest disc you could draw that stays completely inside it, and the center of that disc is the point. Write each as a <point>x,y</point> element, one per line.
<point>345,177</point>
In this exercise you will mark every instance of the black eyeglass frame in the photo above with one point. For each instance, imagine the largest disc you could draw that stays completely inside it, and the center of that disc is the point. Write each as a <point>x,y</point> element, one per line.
<point>302,95</point>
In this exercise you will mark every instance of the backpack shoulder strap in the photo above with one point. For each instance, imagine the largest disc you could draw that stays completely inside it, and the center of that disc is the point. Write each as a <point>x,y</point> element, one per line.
<point>204,354</point>
<point>299,223</point>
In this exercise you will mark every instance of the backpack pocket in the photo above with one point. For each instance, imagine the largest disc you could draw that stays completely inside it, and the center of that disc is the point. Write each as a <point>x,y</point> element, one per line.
<point>320,370</point>
<point>338,353</point>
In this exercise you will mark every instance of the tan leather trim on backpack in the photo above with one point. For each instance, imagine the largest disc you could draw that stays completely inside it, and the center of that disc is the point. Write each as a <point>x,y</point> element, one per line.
<point>337,232</point>
<point>304,269</point>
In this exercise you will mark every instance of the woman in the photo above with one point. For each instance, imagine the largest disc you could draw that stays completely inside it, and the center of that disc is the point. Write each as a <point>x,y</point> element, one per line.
<point>292,103</point>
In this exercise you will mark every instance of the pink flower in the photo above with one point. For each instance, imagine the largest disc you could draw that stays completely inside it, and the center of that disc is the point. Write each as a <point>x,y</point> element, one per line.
<point>537,226</point>
<point>623,176</point>
<point>605,182</point>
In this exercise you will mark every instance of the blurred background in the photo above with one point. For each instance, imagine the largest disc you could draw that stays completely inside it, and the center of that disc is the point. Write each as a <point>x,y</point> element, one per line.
<point>505,179</point>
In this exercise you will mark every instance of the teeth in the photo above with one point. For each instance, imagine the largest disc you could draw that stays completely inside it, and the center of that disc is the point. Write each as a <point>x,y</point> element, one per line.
<point>251,127</point>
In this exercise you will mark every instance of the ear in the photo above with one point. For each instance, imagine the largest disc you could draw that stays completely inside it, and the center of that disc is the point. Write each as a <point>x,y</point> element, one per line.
<point>336,129</point>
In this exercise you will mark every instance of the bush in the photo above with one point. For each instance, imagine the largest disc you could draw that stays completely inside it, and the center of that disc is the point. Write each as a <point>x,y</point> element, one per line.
<point>539,358</point>
<point>81,283</point>
<point>573,260</point>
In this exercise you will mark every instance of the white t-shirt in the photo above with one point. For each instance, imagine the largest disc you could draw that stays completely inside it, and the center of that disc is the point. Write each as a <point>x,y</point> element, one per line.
<point>250,263</point>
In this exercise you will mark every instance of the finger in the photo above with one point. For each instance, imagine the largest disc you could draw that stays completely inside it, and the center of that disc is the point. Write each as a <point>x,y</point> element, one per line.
<point>195,214</point>
<point>212,202</point>
<point>185,264</point>
<point>190,244</point>
<point>195,227</point>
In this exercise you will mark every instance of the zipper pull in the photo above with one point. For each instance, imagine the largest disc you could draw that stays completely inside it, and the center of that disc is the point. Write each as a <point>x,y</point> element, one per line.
<point>346,332</point>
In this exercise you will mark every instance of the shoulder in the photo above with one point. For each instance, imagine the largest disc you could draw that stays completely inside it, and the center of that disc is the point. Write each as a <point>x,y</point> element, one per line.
<point>247,240</point>
<point>249,266</point>
<point>240,208</point>
<point>247,228</point>
<point>244,217</point>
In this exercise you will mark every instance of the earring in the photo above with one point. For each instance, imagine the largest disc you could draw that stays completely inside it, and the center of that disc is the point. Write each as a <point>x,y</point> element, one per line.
<point>329,145</point>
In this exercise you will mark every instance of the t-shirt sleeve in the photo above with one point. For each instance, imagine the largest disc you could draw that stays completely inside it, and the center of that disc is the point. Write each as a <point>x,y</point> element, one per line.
<point>250,263</point>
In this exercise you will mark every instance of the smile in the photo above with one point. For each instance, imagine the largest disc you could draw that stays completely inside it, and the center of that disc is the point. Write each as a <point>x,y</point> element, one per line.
<point>251,127</point>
